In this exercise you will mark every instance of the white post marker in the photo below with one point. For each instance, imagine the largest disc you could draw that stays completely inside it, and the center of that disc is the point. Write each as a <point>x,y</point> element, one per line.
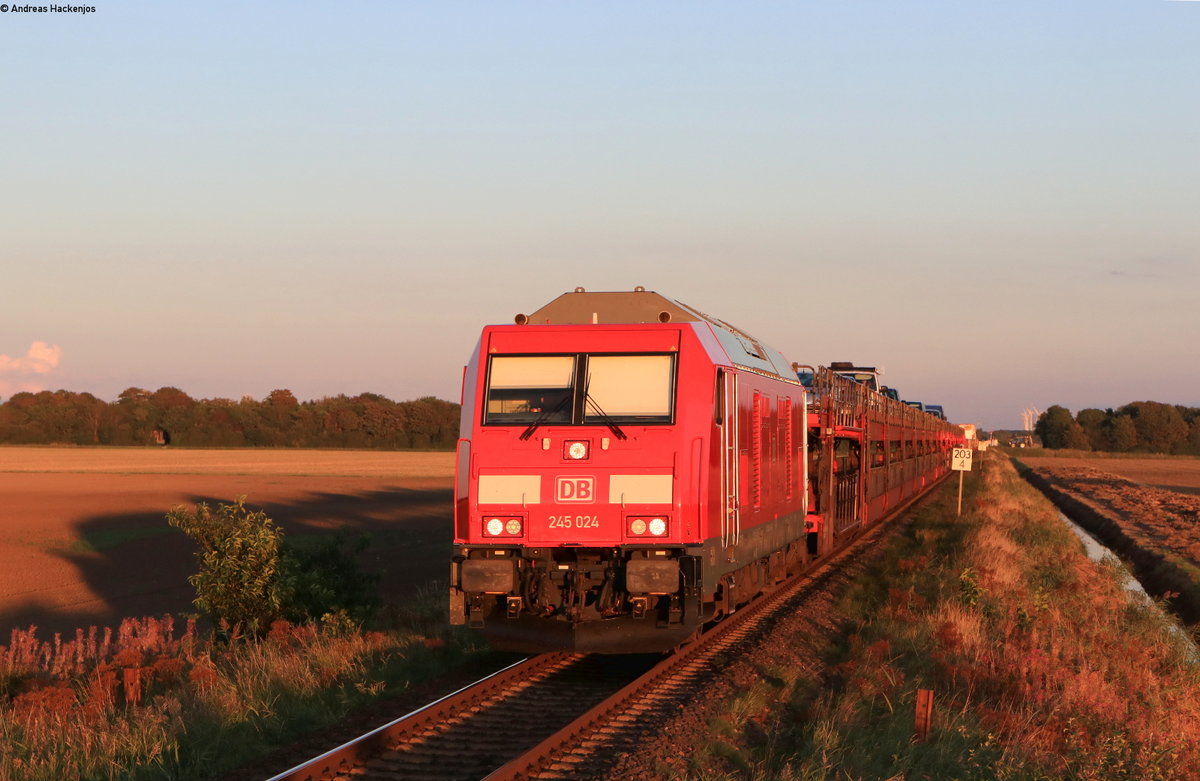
<point>960,461</point>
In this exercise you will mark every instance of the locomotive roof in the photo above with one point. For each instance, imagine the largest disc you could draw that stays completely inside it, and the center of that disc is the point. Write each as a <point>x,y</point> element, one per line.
<point>645,306</point>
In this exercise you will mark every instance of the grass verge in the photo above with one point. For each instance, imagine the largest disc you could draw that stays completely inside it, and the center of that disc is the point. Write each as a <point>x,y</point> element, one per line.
<point>1041,664</point>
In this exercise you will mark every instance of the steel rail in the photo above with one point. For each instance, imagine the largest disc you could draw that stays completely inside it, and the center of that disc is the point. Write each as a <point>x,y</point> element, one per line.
<point>353,752</point>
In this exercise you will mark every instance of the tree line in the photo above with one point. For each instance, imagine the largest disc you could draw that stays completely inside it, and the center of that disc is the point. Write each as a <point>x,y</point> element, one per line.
<point>170,416</point>
<point>1140,427</point>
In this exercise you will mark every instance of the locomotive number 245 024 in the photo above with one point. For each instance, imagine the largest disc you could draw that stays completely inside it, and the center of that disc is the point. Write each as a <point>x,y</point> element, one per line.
<point>574,522</point>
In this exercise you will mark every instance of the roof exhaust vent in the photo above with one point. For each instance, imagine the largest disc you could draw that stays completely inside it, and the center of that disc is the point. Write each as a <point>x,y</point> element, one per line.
<point>664,316</point>
<point>521,319</point>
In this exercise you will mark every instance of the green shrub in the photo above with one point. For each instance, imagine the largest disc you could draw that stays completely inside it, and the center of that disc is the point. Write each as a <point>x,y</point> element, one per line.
<point>324,577</point>
<point>249,576</point>
<point>238,582</point>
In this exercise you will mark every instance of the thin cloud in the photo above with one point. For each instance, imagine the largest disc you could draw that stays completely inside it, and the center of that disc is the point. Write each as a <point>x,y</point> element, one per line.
<point>1154,268</point>
<point>22,373</point>
<point>41,358</point>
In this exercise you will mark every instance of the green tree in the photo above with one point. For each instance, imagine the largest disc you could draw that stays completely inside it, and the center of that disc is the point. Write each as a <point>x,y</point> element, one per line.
<point>1123,435</point>
<point>1160,427</point>
<point>1077,438</point>
<point>133,414</point>
<point>24,426</point>
<point>1094,423</point>
<point>278,415</point>
<point>279,420</point>
<point>175,411</point>
<point>1052,426</point>
<point>1193,445</point>
<point>218,424</point>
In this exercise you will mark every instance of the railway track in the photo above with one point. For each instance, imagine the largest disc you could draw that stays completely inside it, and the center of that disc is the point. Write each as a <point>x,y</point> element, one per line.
<point>561,716</point>
<point>467,734</point>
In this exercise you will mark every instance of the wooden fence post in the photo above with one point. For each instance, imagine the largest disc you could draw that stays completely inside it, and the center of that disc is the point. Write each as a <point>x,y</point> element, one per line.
<point>133,685</point>
<point>924,714</point>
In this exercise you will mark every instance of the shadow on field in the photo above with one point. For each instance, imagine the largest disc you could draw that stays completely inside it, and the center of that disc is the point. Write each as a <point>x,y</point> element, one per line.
<point>134,564</point>
<point>1179,489</point>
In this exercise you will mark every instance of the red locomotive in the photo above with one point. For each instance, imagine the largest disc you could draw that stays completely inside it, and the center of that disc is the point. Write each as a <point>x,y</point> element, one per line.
<point>630,468</point>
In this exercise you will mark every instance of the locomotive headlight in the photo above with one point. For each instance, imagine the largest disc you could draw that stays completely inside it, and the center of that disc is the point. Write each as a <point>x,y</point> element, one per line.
<point>505,525</point>
<point>652,525</point>
<point>577,450</point>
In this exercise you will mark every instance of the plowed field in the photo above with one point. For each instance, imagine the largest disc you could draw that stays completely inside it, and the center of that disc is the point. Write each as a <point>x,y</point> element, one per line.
<point>83,538</point>
<point>1170,474</point>
<point>1156,518</point>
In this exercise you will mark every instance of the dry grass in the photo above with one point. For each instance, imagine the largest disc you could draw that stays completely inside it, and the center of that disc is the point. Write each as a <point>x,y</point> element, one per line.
<point>152,703</point>
<point>232,461</point>
<point>1042,664</point>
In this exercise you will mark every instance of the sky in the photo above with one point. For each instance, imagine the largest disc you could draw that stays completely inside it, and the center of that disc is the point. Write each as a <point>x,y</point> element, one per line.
<point>997,203</point>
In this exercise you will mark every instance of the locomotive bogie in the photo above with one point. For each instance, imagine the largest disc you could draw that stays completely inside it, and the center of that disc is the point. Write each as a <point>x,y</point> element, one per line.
<point>646,598</point>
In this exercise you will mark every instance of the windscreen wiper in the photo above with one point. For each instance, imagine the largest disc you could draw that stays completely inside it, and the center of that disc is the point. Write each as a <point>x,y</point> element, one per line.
<point>604,418</point>
<point>544,416</point>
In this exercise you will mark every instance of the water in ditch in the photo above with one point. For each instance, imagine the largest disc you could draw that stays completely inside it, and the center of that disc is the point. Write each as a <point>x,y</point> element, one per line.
<point>1096,551</point>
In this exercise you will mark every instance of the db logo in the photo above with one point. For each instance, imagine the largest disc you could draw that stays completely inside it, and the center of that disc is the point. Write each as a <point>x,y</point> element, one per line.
<point>575,489</point>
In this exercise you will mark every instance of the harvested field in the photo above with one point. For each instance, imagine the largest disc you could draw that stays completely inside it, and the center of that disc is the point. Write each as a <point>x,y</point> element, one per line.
<point>83,538</point>
<point>1171,474</point>
<point>1167,519</point>
<point>234,461</point>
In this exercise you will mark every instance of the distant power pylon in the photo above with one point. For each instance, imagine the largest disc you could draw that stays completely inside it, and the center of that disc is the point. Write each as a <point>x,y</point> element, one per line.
<point>1029,418</point>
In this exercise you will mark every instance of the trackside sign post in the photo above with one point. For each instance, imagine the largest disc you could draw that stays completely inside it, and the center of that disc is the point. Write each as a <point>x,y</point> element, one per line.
<point>960,461</point>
